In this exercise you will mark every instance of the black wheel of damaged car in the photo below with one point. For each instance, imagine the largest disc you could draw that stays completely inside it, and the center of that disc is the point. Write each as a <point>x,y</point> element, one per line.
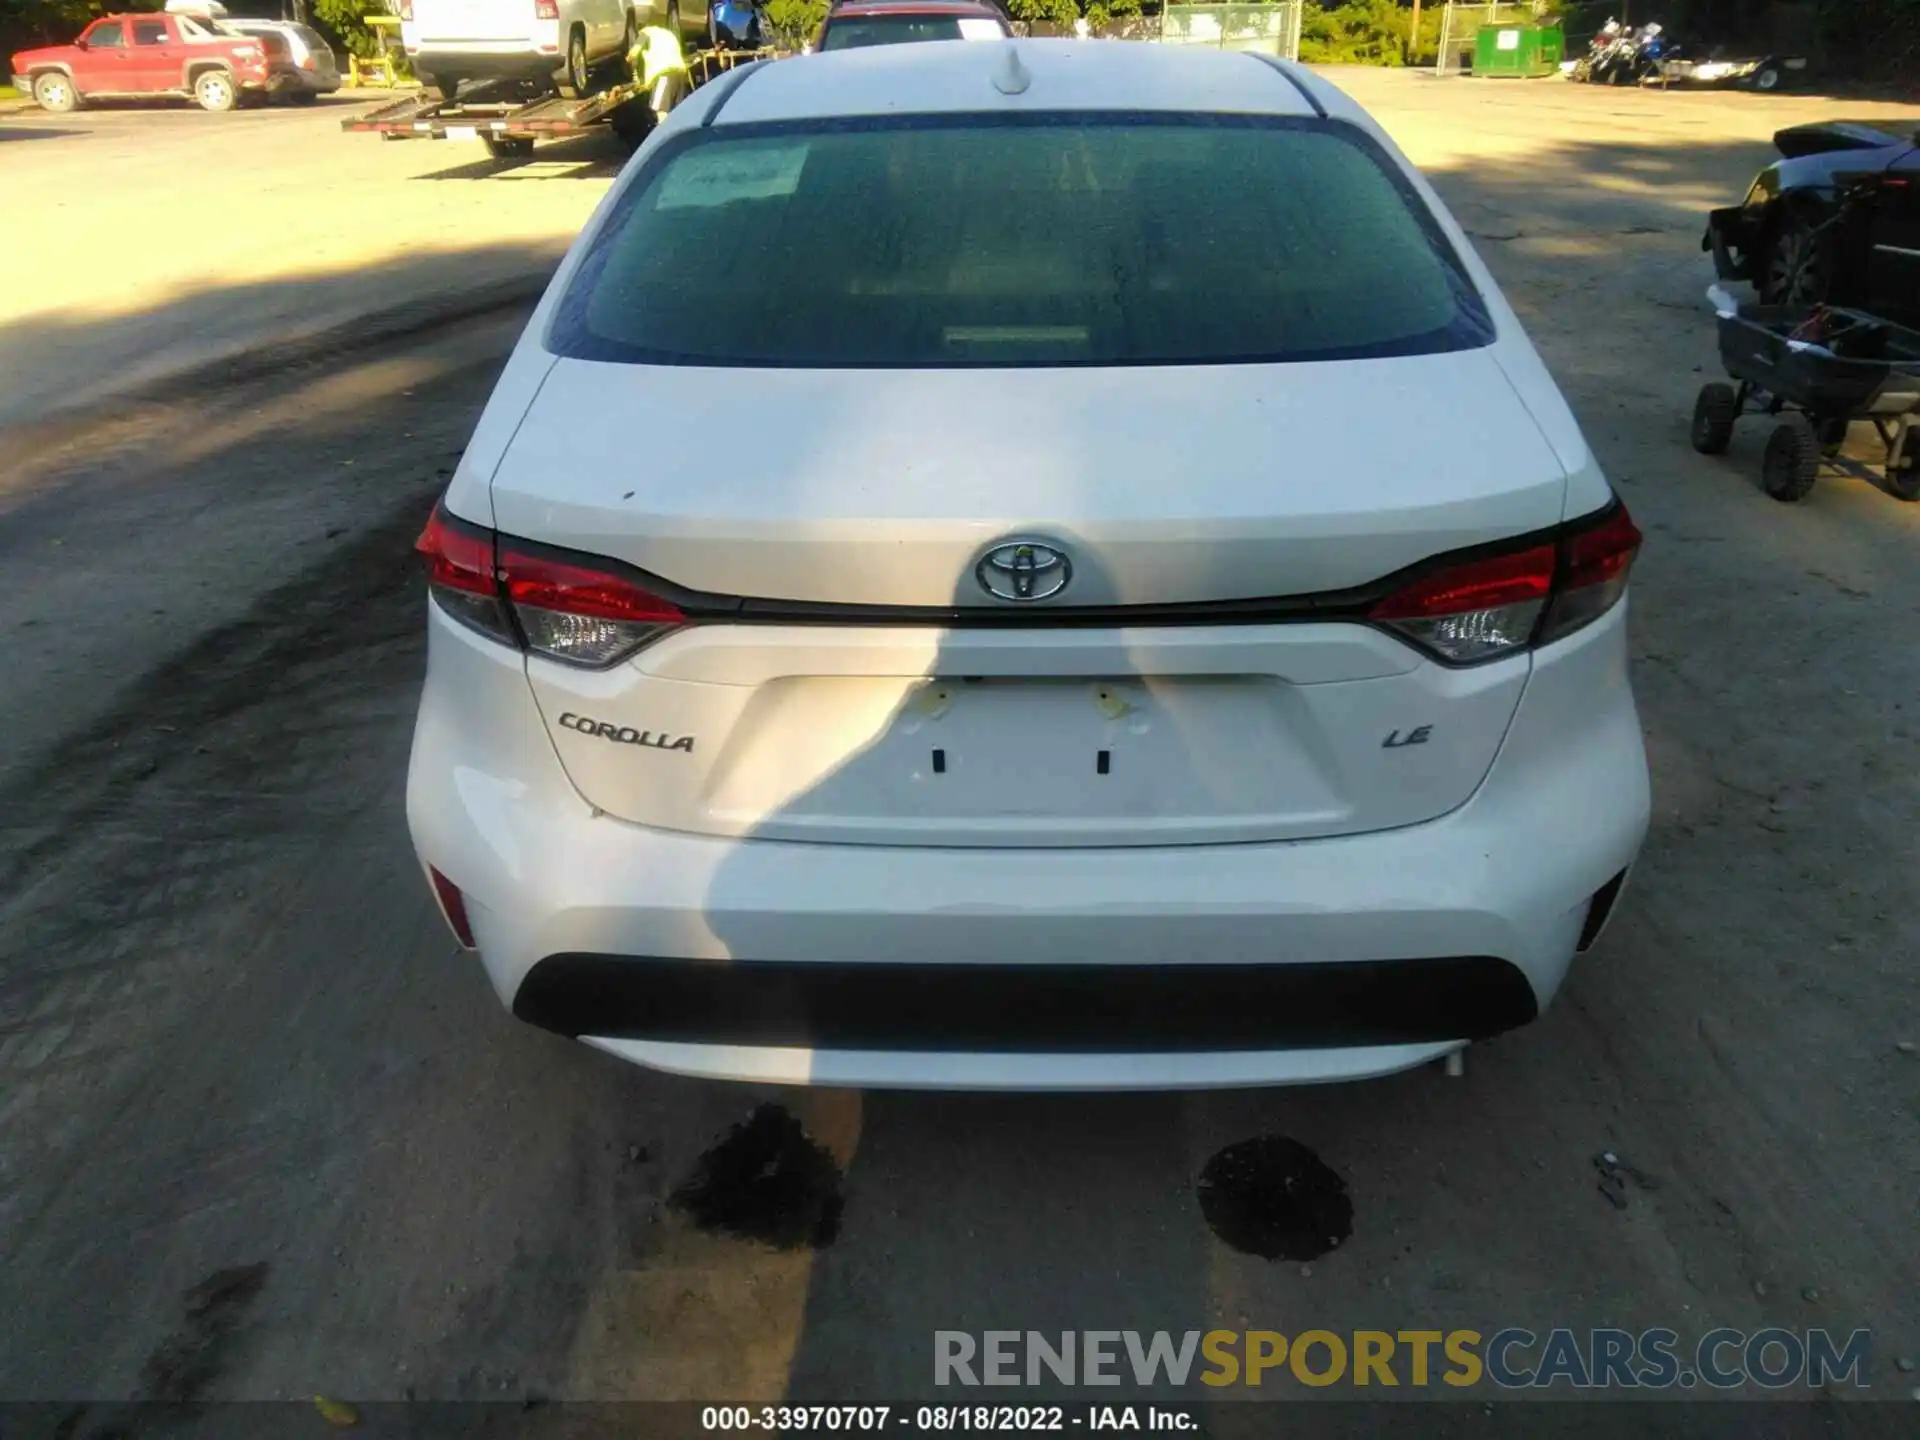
<point>1903,468</point>
<point>1796,266</point>
<point>1792,460</point>
<point>508,147</point>
<point>1714,412</point>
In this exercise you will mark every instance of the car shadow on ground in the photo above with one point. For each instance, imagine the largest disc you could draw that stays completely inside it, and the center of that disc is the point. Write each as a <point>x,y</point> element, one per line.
<point>585,157</point>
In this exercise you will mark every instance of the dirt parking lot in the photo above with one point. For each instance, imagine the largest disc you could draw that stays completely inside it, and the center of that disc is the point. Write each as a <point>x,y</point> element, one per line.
<point>265,1134</point>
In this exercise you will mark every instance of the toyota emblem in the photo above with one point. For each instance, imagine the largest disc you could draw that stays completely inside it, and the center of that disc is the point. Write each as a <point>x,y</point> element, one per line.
<point>1024,570</point>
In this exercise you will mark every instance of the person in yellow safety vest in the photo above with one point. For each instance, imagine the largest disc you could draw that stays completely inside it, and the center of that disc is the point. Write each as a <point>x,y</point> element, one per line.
<point>660,65</point>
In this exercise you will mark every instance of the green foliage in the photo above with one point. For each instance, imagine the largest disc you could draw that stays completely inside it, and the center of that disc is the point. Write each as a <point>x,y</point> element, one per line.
<point>345,21</point>
<point>1059,12</point>
<point>795,22</point>
<point>1356,32</point>
<point>49,22</point>
<point>1107,12</point>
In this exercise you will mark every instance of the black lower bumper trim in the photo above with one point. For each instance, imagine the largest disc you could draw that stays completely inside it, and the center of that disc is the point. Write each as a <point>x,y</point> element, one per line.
<point>1027,1008</point>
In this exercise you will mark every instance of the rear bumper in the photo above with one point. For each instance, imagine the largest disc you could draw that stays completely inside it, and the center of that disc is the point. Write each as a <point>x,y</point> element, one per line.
<point>1104,968</point>
<point>535,54</point>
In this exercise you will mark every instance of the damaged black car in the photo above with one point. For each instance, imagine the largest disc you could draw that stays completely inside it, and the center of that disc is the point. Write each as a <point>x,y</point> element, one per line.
<point>1836,219</point>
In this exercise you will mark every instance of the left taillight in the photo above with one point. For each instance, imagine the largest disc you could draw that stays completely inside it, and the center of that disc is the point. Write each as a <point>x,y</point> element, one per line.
<point>1492,605</point>
<point>458,559</point>
<point>572,608</point>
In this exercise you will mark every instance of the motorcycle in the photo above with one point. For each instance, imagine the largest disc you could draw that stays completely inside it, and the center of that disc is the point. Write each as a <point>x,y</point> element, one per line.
<point>1635,58</point>
<point>1597,49</point>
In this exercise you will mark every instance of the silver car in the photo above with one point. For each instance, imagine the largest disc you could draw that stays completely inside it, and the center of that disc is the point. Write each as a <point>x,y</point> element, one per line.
<point>312,57</point>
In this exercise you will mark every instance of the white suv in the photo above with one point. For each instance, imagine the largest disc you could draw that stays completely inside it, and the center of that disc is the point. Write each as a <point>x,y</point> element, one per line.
<point>1032,565</point>
<point>561,42</point>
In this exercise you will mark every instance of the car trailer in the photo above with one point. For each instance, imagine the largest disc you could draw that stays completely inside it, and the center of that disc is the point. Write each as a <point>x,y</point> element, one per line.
<point>1815,369</point>
<point>507,123</point>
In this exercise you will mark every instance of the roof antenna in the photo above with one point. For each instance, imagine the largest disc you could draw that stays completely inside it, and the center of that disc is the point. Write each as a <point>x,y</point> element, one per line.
<point>1012,78</point>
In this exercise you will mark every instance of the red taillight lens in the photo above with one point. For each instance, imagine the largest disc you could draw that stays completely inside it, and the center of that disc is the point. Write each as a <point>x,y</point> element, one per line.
<point>1475,610</point>
<point>1483,608</point>
<point>569,609</point>
<point>453,905</point>
<point>546,9</point>
<point>458,559</point>
<point>1593,574</point>
<point>406,9</point>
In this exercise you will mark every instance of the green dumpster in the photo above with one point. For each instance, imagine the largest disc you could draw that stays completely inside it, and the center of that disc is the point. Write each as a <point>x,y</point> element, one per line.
<point>1523,51</point>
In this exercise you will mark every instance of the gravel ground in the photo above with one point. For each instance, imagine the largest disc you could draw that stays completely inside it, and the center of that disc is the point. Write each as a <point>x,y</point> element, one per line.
<point>263,1133</point>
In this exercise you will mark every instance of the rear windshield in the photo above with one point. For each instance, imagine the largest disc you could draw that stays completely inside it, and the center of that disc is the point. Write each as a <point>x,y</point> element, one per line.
<point>851,34</point>
<point>1039,240</point>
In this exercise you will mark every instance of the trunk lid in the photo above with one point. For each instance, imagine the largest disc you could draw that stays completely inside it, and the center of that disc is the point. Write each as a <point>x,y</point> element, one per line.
<point>1164,486</point>
<point>1168,484</point>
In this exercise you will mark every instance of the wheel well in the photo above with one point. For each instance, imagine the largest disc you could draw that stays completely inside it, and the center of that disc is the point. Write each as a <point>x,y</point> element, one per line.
<point>201,67</point>
<point>37,71</point>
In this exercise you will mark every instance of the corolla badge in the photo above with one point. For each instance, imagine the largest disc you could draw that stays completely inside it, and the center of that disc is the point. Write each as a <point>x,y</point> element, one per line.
<point>1024,570</point>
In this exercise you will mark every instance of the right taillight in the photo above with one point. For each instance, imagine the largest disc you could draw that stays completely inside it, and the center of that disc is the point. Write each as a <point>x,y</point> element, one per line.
<point>572,608</point>
<point>546,9</point>
<point>1492,605</point>
<point>1594,561</point>
<point>406,9</point>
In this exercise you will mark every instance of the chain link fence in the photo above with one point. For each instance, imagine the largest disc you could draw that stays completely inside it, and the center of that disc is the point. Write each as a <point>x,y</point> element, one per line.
<point>1271,29</point>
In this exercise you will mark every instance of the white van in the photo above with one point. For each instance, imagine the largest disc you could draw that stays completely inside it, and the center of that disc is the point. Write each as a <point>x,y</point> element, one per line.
<point>558,42</point>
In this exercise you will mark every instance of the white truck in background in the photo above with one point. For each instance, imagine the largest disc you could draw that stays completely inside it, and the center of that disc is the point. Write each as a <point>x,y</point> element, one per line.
<point>567,45</point>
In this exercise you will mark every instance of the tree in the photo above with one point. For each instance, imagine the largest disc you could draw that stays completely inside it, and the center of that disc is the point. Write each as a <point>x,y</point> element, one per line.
<point>346,20</point>
<point>795,22</point>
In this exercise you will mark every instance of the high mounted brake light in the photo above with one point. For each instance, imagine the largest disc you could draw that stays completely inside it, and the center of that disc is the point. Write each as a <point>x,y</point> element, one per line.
<point>575,609</point>
<point>1495,604</point>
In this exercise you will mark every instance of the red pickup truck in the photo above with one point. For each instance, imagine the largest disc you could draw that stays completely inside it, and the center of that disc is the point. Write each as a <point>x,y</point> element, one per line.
<point>137,55</point>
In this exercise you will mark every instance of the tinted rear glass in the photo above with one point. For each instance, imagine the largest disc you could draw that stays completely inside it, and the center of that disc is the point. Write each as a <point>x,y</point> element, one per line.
<point>851,34</point>
<point>1044,240</point>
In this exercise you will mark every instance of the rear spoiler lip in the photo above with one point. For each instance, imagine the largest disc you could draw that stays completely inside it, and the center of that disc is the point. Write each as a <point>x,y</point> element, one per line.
<point>1823,137</point>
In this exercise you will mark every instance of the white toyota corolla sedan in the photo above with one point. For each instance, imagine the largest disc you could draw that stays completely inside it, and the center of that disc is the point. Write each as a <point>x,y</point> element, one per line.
<point>1041,565</point>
